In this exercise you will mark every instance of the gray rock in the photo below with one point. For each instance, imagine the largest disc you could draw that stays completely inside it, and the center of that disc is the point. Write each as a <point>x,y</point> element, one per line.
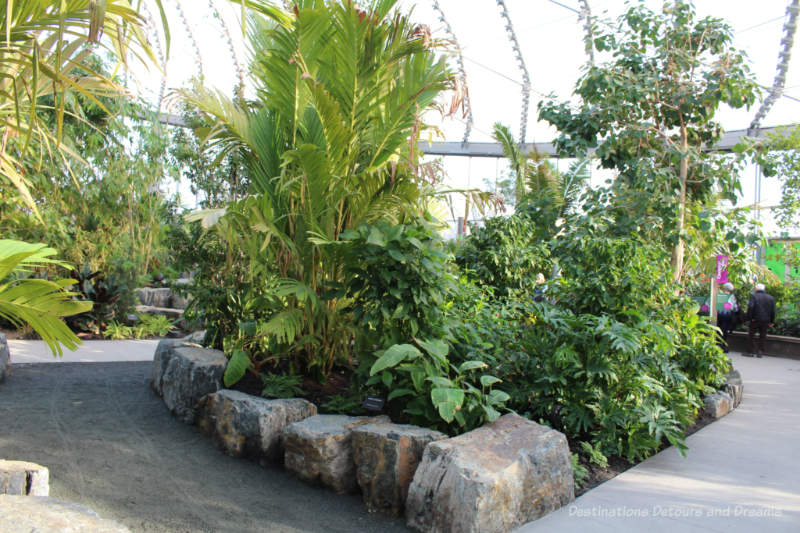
<point>25,514</point>
<point>195,337</point>
<point>183,374</point>
<point>168,312</point>
<point>492,479</point>
<point>241,424</point>
<point>24,479</point>
<point>177,301</point>
<point>386,457</point>
<point>734,388</point>
<point>154,296</point>
<point>319,449</point>
<point>718,404</point>
<point>5,358</point>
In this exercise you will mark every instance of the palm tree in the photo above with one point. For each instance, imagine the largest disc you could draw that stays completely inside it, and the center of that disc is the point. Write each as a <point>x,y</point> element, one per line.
<point>533,174</point>
<point>330,142</point>
<point>43,44</point>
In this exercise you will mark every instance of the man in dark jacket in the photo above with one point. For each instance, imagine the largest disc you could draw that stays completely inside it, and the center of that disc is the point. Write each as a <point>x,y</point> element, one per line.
<point>761,313</point>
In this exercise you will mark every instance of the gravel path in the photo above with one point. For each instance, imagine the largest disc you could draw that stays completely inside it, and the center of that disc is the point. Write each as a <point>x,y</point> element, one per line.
<point>112,445</point>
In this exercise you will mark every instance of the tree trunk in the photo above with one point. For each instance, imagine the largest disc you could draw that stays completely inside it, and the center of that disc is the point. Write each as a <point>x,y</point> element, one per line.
<point>678,251</point>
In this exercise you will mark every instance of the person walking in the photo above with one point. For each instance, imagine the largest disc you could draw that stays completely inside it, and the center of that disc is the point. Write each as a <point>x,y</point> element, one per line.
<point>727,307</point>
<point>761,313</point>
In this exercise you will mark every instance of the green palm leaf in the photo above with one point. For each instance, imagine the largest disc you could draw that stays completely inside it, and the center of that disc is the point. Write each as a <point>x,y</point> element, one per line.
<point>37,302</point>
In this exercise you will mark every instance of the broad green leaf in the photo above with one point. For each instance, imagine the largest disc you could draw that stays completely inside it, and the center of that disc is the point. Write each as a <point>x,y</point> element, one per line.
<point>398,393</point>
<point>447,401</point>
<point>236,368</point>
<point>393,356</point>
<point>437,348</point>
<point>471,365</point>
<point>488,381</point>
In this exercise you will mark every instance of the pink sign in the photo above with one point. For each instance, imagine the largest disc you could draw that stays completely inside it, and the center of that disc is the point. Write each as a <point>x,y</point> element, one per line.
<point>722,269</point>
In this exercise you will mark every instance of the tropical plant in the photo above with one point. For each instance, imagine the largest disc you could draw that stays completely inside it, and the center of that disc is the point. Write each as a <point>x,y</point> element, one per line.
<point>40,303</point>
<point>153,326</point>
<point>650,111</point>
<point>507,253</point>
<point>43,43</point>
<point>779,157</point>
<point>329,143</point>
<point>402,292</point>
<point>533,175</point>
<point>118,331</point>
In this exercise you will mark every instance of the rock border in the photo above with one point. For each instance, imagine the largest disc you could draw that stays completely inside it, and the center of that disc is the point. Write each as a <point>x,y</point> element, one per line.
<point>727,398</point>
<point>391,464</point>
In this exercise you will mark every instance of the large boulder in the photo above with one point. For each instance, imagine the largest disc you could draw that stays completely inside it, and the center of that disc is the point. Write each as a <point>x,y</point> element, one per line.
<point>26,514</point>
<point>734,387</point>
<point>718,404</point>
<point>492,479</point>
<point>5,358</point>
<point>155,296</point>
<point>319,449</point>
<point>386,457</point>
<point>21,478</point>
<point>241,424</point>
<point>183,373</point>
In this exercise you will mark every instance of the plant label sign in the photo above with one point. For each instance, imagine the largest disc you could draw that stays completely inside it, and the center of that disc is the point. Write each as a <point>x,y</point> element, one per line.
<point>722,269</point>
<point>373,403</point>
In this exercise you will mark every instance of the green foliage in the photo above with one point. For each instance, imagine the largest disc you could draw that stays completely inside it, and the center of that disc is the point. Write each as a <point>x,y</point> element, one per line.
<point>594,455</point>
<point>109,215</point>
<point>779,157</point>
<point>117,331</point>
<point>650,110</point>
<point>329,143</point>
<point>281,385</point>
<point>345,404</point>
<point>147,326</point>
<point>398,279</point>
<point>39,303</point>
<point>508,252</point>
<point>153,326</point>
<point>43,42</point>
<point>579,472</point>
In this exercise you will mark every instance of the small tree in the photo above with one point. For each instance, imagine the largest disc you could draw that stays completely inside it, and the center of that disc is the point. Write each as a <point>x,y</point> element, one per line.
<point>779,156</point>
<point>649,111</point>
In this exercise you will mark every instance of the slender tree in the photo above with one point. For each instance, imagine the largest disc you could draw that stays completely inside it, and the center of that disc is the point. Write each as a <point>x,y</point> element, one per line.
<point>649,110</point>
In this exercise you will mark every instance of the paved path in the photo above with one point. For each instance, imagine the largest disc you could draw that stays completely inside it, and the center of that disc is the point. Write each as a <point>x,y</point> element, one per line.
<point>741,473</point>
<point>111,444</point>
<point>88,352</point>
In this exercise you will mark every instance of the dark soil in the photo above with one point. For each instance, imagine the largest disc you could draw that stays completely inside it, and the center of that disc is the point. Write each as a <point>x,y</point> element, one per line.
<point>337,384</point>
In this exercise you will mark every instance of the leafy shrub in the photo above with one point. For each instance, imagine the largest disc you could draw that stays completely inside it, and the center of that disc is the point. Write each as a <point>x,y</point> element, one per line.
<point>116,331</point>
<point>346,404</point>
<point>147,326</point>
<point>398,278</point>
<point>506,253</point>
<point>111,293</point>
<point>281,385</point>
<point>579,472</point>
<point>153,326</point>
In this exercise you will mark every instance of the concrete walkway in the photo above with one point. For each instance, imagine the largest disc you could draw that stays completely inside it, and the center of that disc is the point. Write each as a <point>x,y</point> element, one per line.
<point>741,473</point>
<point>88,352</point>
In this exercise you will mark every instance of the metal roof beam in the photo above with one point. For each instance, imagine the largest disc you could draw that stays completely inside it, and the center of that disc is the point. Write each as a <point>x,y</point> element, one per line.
<point>490,149</point>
